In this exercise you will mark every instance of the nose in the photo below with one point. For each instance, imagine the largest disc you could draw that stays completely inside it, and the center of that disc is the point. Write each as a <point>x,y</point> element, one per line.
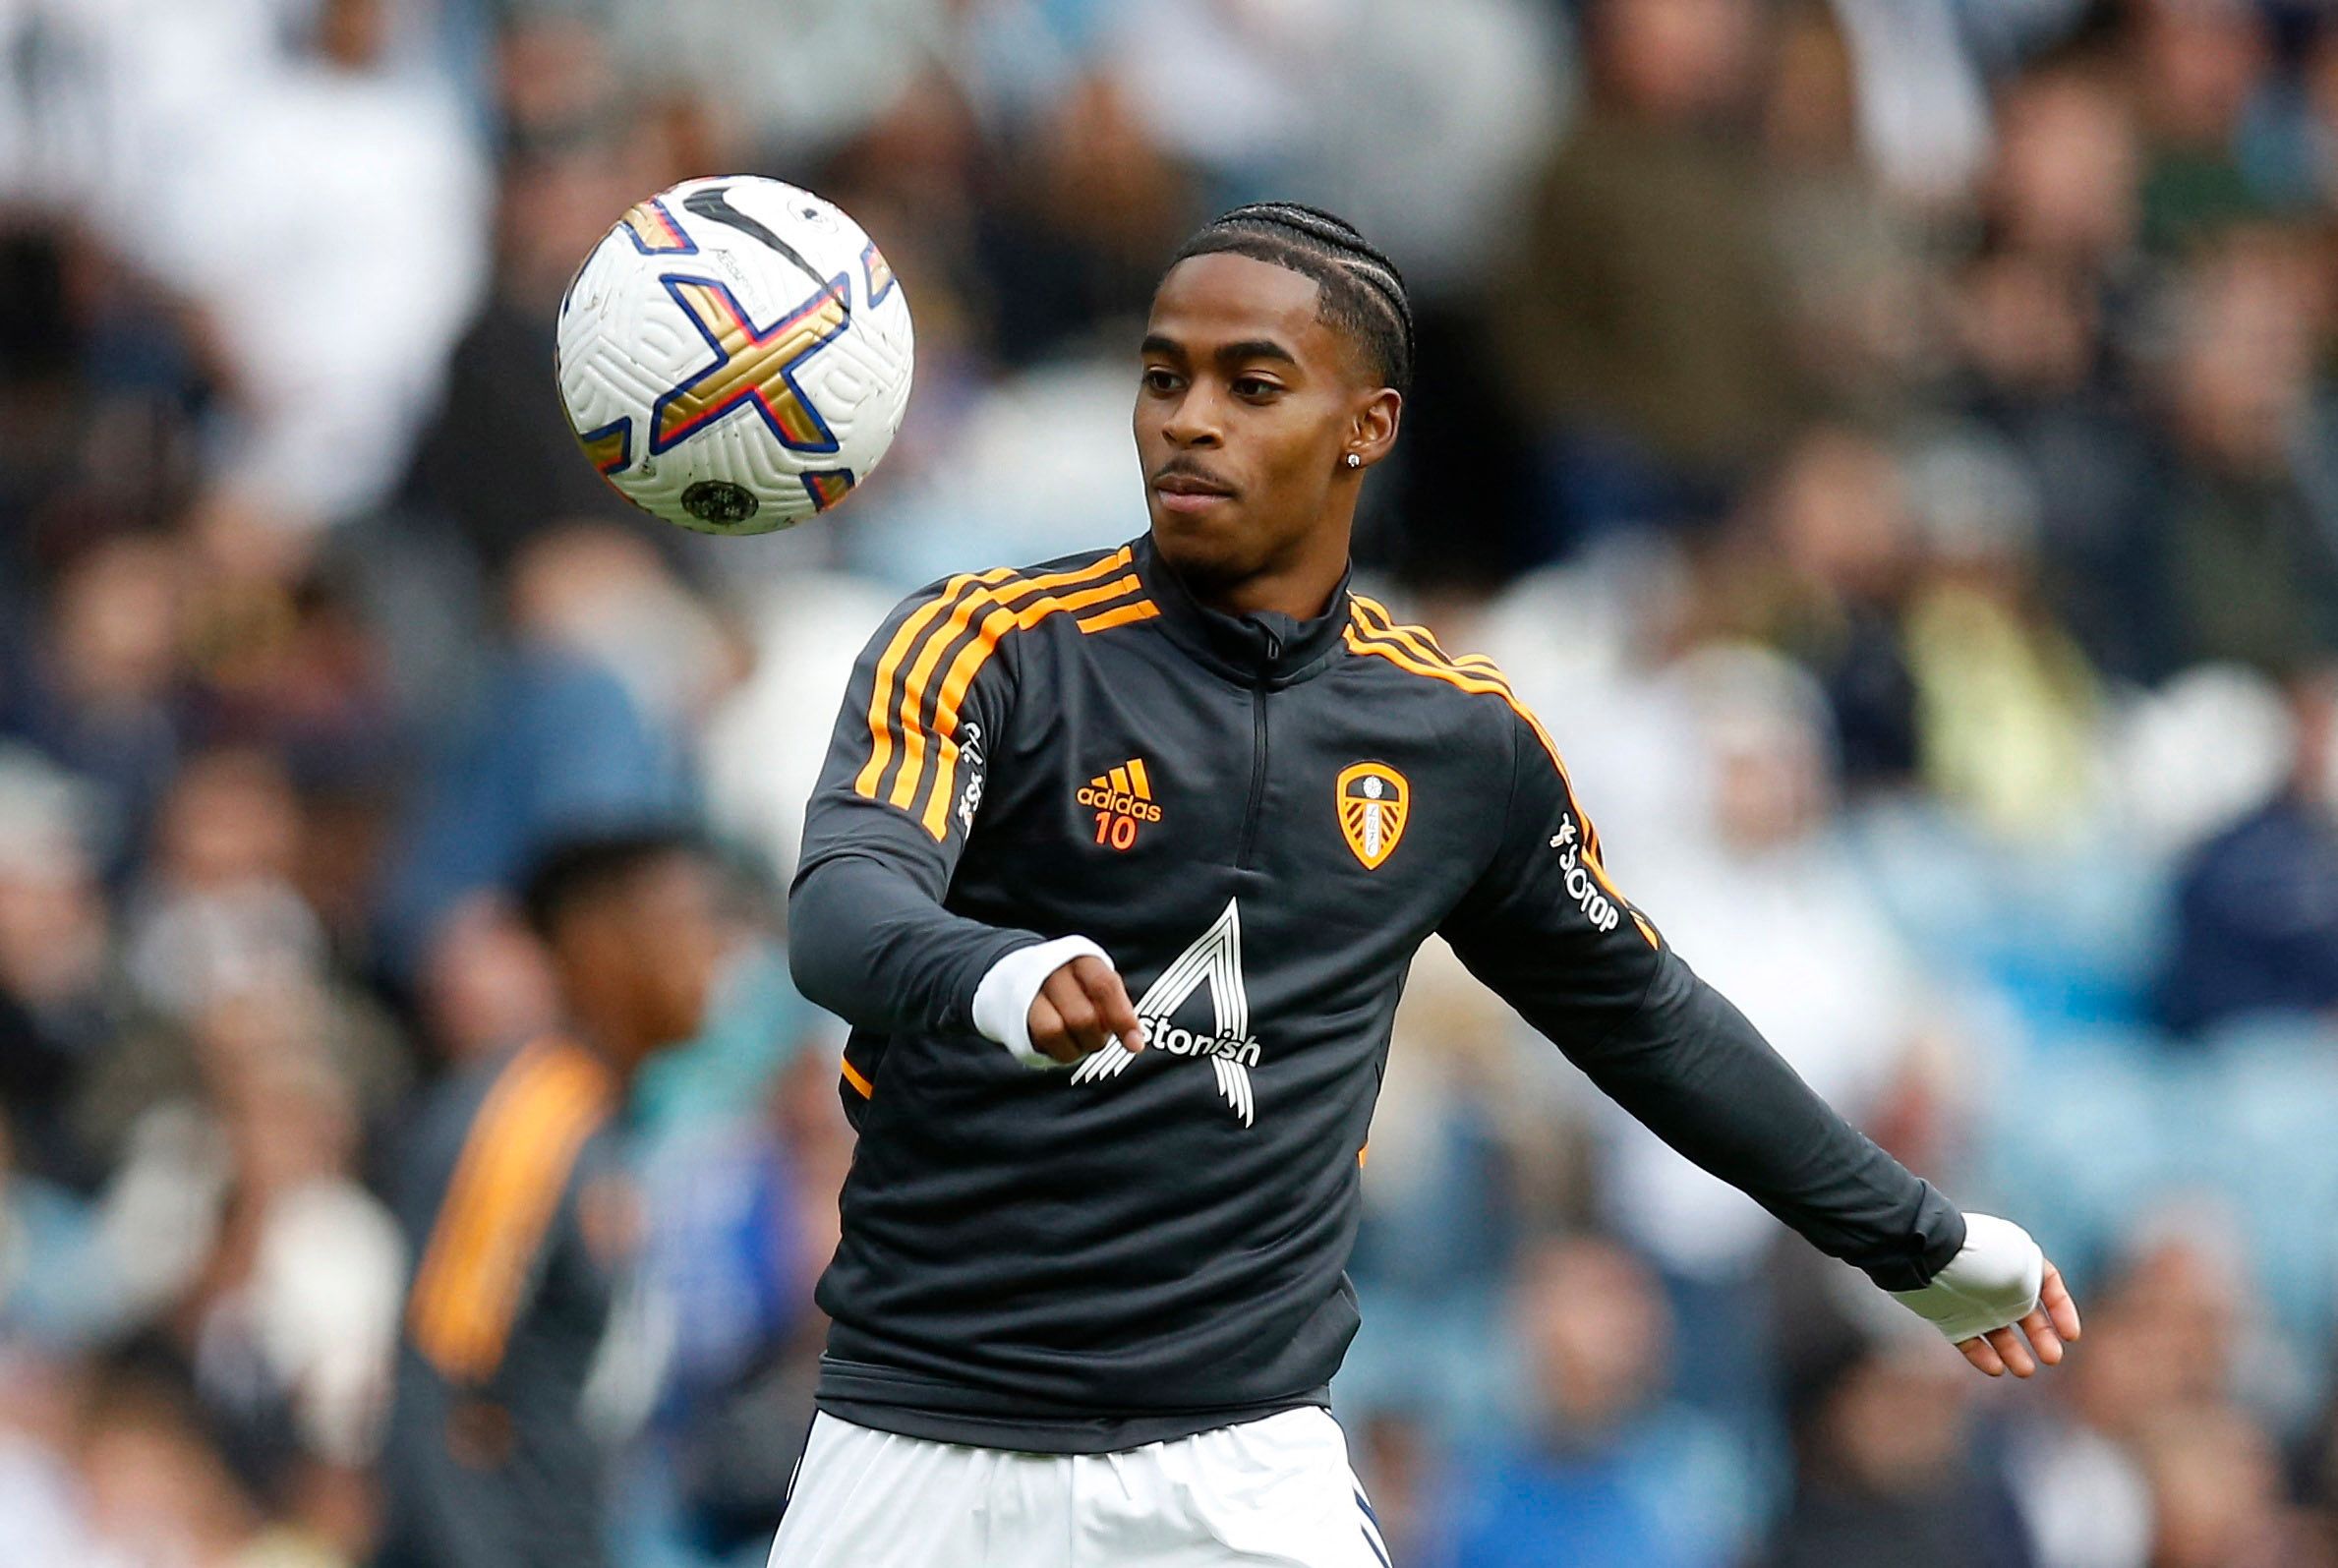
<point>1195,421</point>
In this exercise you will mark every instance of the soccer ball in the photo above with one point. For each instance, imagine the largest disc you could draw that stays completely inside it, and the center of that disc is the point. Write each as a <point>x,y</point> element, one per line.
<point>735,355</point>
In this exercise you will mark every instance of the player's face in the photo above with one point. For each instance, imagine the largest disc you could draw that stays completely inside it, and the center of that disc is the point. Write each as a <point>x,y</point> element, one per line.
<point>1245,410</point>
<point>675,940</point>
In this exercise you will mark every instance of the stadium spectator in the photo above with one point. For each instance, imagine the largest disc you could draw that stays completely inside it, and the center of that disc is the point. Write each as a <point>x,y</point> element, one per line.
<point>1822,568</point>
<point>1603,1471</point>
<point>2251,570</point>
<point>216,912</point>
<point>1758,892</point>
<point>155,1491</point>
<point>2257,905</point>
<point>1639,322</point>
<point>2007,705</point>
<point>495,459</point>
<point>1886,1476</point>
<point>102,691</point>
<point>57,999</point>
<point>2038,325</point>
<point>334,302</point>
<point>58,1284</point>
<point>2197,66</point>
<point>569,730</point>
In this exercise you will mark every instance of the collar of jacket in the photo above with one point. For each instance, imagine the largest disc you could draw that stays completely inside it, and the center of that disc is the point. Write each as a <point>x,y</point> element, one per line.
<point>1266,649</point>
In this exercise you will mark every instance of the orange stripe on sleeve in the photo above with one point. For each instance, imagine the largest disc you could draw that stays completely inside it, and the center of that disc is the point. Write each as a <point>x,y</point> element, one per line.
<point>1479,675</point>
<point>913,684</point>
<point>1409,648</point>
<point>861,1084</point>
<point>984,600</point>
<point>1375,617</point>
<point>970,660</point>
<point>514,1166</point>
<point>1106,620</point>
<point>430,1303</point>
<point>904,639</point>
<point>521,1212</point>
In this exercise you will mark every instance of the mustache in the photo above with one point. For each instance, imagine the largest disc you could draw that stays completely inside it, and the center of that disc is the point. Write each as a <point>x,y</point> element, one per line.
<point>1186,468</point>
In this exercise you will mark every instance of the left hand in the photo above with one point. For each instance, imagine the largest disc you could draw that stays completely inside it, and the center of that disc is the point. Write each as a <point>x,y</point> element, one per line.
<point>1998,1288</point>
<point>2055,1321</point>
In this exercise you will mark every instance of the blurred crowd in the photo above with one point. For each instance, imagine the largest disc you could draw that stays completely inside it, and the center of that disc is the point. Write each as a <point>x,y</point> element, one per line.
<point>1892,442</point>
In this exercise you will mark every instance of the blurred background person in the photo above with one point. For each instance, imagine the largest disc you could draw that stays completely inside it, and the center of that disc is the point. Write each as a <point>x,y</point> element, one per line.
<point>524,1224</point>
<point>1760,895</point>
<point>1604,1469</point>
<point>2257,912</point>
<point>1886,1475</point>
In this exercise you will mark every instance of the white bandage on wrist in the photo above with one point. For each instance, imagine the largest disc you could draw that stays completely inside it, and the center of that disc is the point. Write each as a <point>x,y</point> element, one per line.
<point>1992,1282</point>
<point>1003,1001</point>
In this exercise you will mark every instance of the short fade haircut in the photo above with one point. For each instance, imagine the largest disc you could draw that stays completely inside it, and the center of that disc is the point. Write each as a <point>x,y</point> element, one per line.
<point>1363,292</point>
<point>586,866</point>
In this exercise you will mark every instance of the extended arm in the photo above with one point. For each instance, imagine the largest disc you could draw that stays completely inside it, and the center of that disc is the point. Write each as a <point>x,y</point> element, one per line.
<point>1689,1066</point>
<point>1546,929</point>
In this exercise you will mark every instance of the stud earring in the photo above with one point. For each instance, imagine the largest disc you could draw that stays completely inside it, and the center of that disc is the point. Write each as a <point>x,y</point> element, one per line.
<point>1353,461</point>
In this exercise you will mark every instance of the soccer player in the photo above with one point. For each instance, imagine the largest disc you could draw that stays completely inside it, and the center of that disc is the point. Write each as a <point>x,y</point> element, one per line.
<point>522,1223</point>
<point>1116,867</point>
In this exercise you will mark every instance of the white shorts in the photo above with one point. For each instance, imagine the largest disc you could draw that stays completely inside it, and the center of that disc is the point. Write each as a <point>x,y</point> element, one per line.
<point>1273,1491</point>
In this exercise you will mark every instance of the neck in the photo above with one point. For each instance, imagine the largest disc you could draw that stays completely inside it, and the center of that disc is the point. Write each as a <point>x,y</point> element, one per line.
<point>1299,586</point>
<point>602,1029</point>
<point>1301,600</point>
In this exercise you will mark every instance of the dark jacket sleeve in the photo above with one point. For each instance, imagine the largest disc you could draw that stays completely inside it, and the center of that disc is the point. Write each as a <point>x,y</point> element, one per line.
<point>1547,930</point>
<point>867,936</point>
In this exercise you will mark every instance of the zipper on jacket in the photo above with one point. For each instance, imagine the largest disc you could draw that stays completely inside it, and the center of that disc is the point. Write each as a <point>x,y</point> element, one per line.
<point>1249,820</point>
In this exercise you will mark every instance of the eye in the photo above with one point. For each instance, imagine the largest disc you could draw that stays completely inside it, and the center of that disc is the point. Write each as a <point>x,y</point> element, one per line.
<point>1256,387</point>
<point>1157,380</point>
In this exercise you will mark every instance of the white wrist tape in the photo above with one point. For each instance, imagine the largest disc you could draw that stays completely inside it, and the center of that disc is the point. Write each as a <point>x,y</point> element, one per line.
<point>1003,1001</point>
<point>1992,1282</point>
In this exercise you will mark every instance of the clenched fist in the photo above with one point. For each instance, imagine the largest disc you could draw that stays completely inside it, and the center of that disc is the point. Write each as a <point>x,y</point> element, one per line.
<point>1056,1002</point>
<point>1079,1007</point>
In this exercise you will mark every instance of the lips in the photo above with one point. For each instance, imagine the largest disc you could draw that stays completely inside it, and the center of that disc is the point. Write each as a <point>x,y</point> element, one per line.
<point>1185,491</point>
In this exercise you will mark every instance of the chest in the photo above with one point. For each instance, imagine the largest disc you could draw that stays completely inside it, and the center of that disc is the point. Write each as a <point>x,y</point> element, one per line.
<point>1331,800</point>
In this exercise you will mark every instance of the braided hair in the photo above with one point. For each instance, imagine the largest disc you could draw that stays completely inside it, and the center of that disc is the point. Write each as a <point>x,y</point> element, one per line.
<point>1363,292</point>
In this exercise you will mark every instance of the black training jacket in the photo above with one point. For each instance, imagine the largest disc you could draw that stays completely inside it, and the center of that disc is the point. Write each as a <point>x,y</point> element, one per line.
<point>1261,820</point>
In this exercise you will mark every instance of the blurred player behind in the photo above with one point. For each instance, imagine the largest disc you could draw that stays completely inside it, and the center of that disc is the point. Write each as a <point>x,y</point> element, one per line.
<point>520,1220</point>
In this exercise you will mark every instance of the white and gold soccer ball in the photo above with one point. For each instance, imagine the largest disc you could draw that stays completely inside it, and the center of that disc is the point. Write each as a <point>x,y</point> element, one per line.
<point>735,355</point>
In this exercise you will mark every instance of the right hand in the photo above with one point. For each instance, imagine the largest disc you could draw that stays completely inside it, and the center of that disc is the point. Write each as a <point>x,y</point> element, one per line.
<point>1079,1007</point>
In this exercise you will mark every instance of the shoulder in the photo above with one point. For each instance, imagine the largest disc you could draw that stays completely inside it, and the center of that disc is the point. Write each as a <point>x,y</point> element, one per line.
<point>1408,655</point>
<point>967,615</point>
<point>1089,576</point>
<point>530,1118</point>
<point>538,1100</point>
<point>1373,630</point>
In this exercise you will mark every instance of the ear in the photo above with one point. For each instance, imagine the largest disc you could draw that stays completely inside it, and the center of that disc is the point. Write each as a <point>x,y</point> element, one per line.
<point>1372,431</point>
